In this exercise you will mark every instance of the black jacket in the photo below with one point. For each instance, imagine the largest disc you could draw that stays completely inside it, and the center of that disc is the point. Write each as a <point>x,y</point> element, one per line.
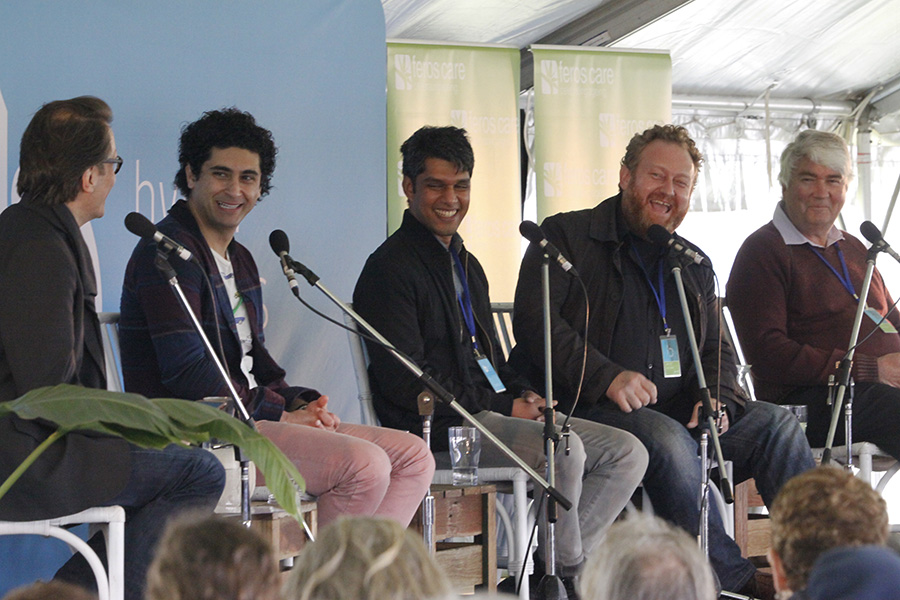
<point>49,334</point>
<point>593,240</point>
<point>406,292</point>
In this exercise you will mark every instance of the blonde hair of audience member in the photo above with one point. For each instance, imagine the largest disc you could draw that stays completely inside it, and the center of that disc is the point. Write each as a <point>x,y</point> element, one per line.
<point>366,558</point>
<point>646,558</point>
<point>50,590</point>
<point>816,511</point>
<point>212,558</point>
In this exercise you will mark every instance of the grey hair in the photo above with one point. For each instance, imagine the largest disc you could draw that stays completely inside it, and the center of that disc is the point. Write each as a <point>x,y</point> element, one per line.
<point>821,147</point>
<point>645,558</point>
<point>366,558</point>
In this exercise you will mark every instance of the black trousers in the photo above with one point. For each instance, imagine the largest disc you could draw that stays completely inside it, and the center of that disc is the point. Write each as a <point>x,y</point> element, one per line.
<point>876,415</point>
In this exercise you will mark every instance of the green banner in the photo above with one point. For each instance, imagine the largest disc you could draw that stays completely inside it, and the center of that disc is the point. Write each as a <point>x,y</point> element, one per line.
<point>588,103</point>
<point>476,88</point>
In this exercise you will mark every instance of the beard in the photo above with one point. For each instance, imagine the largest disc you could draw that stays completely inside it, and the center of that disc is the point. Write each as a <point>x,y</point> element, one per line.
<point>636,210</point>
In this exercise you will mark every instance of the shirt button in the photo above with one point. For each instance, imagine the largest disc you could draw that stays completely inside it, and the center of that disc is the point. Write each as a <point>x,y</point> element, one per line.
<point>650,366</point>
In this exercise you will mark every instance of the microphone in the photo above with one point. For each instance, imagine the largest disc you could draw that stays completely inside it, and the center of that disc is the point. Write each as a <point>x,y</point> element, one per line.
<point>142,227</point>
<point>660,236</point>
<point>278,240</point>
<point>871,232</point>
<point>531,232</point>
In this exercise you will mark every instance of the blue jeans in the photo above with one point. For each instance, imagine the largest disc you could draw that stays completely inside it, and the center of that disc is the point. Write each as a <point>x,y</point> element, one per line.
<point>765,443</point>
<point>162,483</point>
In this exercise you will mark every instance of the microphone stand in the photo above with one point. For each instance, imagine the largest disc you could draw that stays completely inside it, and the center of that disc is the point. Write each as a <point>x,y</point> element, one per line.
<point>708,412</point>
<point>168,273</point>
<point>439,391</point>
<point>846,363</point>
<point>551,586</point>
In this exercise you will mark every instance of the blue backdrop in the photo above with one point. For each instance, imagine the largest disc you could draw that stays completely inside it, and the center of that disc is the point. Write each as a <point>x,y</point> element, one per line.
<point>312,72</point>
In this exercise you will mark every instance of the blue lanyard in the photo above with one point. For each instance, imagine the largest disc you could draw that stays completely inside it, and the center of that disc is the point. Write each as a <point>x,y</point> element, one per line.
<point>845,278</point>
<point>465,300</point>
<point>660,294</point>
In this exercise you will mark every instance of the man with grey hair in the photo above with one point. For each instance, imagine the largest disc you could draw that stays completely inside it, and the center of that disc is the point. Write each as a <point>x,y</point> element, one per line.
<point>794,290</point>
<point>645,558</point>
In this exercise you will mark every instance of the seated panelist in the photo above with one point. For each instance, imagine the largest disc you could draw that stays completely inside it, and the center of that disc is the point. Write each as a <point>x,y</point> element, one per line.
<point>226,165</point>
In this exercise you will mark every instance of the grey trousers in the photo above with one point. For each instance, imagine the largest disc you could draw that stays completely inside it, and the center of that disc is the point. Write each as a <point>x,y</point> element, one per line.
<point>598,475</point>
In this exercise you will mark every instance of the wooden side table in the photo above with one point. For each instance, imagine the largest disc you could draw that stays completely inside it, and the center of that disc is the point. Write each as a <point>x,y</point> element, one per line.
<point>286,536</point>
<point>464,511</point>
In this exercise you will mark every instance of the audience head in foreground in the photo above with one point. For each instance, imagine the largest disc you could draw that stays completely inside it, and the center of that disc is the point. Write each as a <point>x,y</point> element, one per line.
<point>645,558</point>
<point>366,558</point>
<point>212,558</point>
<point>860,573</point>
<point>817,511</point>
<point>50,590</point>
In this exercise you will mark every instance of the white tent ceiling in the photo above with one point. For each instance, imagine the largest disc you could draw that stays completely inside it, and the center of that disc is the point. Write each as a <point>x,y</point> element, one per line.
<point>825,50</point>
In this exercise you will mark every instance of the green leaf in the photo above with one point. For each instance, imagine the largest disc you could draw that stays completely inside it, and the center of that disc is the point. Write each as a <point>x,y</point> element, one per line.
<point>157,423</point>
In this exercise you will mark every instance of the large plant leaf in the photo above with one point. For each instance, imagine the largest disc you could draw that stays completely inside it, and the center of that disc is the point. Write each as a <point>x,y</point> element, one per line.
<point>157,423</point>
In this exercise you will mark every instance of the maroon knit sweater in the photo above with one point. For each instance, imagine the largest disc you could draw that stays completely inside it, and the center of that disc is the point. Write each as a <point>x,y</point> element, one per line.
<point>794,317</point>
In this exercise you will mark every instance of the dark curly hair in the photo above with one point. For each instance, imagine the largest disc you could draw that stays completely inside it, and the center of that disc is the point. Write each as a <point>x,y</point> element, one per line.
<point>64,139</point>
<point>675,134</point>
<point>226,128</point>
<point>447,143</point>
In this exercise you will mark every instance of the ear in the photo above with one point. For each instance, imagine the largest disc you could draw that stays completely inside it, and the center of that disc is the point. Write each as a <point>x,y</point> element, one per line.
<point>624,177</point>
<point>779,578</point>
<point>408,187</point>
<point>89,180</point>
<point>189,176</point>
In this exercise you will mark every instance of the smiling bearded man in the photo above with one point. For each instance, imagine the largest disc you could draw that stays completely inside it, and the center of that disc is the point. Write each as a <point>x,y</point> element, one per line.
<point>639,373</point>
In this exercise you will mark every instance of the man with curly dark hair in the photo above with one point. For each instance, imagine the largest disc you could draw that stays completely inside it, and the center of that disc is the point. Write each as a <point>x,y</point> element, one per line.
<point>227,161</point>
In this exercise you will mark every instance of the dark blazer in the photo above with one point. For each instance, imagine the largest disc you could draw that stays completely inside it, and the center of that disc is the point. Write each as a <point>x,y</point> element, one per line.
<point>406,292</point>
<point>49,334</point>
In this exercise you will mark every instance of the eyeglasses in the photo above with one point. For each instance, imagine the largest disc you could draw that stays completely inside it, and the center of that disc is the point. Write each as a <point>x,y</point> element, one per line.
<point>114,161</point>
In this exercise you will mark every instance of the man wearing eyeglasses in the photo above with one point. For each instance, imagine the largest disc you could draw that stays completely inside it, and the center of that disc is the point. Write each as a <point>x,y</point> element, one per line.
<point>49,334</point>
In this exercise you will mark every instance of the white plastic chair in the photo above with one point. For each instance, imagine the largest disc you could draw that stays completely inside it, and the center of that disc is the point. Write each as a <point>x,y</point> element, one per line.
<point>511,479</point>
<point>108,519</point>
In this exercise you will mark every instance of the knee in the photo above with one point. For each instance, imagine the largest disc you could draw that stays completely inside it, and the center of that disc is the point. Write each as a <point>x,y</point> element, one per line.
<point>206,474</point>
<point>422,457</point>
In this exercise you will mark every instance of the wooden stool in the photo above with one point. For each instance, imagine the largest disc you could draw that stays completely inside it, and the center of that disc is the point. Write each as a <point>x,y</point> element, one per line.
<point>283,532</point>
<point>462,512</point>
<point>752,532</point>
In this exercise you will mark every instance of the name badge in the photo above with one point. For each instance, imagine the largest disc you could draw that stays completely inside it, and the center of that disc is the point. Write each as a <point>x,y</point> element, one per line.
<point>488,369</point>
<point>883,324</point>
<point>670,356</point>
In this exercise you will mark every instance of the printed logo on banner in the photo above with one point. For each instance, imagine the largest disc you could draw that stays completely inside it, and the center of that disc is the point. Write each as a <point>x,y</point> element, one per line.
<point>557,77</point>
<point>549,77</point>
<point>409,70</point>
<point>476,124</point>
<point>402,72</point>
<point>606,131</point>
<point>552,180</point>
<point>459,118</point>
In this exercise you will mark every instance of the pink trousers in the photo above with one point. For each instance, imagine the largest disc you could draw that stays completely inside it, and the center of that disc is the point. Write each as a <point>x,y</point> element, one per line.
<point>357,470</point>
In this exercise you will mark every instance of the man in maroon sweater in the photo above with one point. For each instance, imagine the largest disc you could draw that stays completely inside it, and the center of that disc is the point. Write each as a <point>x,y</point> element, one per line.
<point>793,293</point>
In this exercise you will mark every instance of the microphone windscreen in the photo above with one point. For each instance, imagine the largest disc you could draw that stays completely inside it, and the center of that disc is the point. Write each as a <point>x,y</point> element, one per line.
<point>659,235</point>
<point>139,225</point>
<point>278,240</point>
<point>870,231</point>
<point>531,232</point>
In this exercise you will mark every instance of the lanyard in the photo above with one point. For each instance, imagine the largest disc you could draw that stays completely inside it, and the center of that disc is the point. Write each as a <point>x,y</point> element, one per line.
<point>658,294</point>
<point>465,300</point>
<point>843,277</point>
